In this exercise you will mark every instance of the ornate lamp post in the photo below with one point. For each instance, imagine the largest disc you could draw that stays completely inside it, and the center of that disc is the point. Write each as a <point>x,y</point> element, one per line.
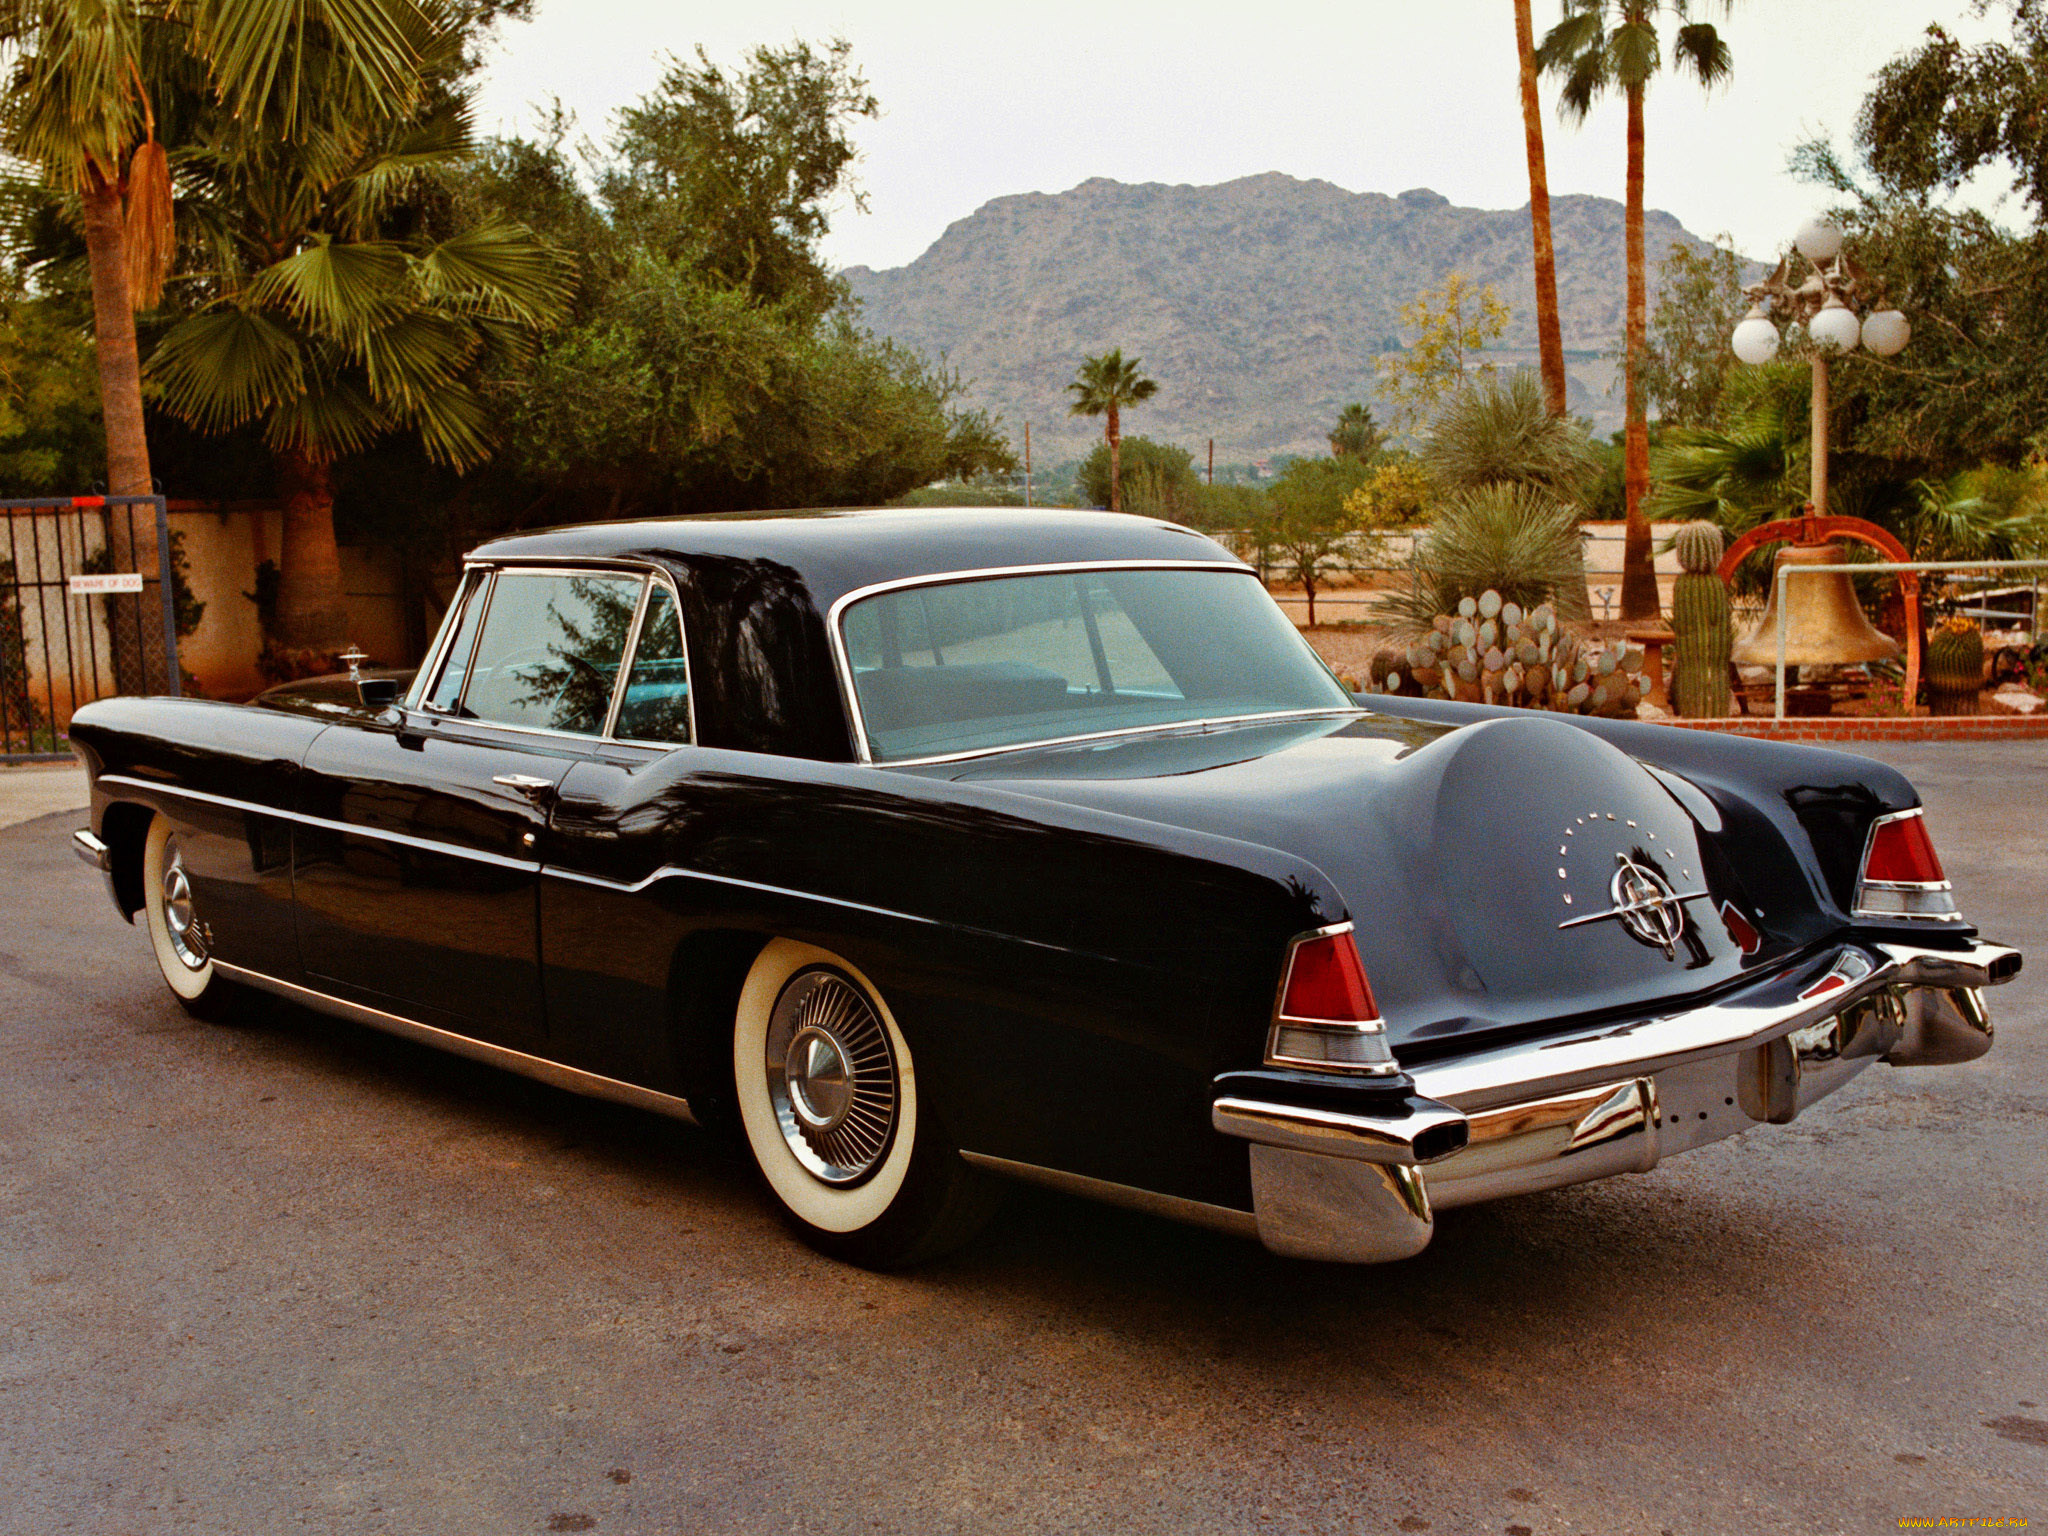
<point>1825,303</point>
<point>1821,623</point>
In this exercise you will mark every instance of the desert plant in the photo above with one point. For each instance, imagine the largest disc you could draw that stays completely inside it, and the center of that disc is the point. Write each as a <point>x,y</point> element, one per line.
<point>1517,540</point>
<point>1497,430</point>
<point>1700,617</point>
<point>1954,666</point>
<point>1490,651</point>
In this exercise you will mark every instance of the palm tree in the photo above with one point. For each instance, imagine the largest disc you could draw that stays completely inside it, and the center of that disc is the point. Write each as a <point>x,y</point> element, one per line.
<point>1549,336</point>
<point>332,331</point>
<point>1611,45</point>
<point>1103,386</point>
<point>81,77</point>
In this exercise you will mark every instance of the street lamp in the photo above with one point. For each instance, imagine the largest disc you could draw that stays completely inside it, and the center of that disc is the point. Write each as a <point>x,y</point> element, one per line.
<point>1826,304</point>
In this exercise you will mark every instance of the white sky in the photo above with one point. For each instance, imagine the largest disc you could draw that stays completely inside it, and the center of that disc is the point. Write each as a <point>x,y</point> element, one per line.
<point>1374,95</point>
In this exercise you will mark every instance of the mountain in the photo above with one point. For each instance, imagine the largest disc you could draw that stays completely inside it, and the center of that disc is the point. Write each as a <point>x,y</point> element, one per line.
<point>1259,305</point>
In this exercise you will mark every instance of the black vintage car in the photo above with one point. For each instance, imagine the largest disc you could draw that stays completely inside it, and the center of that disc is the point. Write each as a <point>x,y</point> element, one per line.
<point>919,847</point>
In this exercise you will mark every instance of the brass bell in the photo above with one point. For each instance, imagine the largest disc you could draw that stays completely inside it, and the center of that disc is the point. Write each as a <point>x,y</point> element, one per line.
<point>1825,626</point>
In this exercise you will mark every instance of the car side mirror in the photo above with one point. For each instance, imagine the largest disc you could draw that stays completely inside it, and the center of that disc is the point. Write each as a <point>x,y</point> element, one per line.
<point>377,692</point>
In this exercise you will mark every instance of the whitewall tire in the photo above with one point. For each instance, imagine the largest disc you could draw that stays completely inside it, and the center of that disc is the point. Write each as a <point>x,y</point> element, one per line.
<point>829,1098</point>
<point>178,933</point>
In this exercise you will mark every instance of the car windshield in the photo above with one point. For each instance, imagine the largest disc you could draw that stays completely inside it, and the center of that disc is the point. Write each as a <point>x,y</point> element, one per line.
<point>1005,661</point>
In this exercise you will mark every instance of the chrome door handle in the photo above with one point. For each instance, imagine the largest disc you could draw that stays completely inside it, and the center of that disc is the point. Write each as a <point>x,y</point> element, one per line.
<point>525,783</point>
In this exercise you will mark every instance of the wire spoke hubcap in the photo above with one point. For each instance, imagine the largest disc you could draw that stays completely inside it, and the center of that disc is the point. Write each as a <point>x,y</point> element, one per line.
<point>181,916</point>
<point>831,1076</point>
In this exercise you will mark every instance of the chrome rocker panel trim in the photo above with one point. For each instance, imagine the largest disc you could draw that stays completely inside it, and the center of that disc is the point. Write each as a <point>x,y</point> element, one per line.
<point>1351,1187</point>
<point>91,850</point>
<point>553,1073</point>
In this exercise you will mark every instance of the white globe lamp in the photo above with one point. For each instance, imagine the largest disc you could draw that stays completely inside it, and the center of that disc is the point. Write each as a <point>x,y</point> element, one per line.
<point>1818,240</point>
<point>1886,332</point>
<point>1756,339</point>
<point>1835,328</point>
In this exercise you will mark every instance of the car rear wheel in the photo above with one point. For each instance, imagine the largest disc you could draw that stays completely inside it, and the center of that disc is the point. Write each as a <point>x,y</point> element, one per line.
<point>828,1096</point>
<point>178,933</point>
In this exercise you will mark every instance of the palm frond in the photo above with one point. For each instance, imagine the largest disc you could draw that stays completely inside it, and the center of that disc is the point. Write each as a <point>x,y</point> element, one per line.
<point>456,426</point>
<point>331,421</point>
<point>1700,48</point>
<point>225,366</point>
<point>1633,54</point>
<point>261,50</point>
<point>387,172</point>
<point>499,270</point>
<point>417,355</point>
<point>340,288</point>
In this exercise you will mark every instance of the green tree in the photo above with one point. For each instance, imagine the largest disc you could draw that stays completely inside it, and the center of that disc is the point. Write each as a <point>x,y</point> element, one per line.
<point>735,169</point>
<point>1941,113</point>
<point>1313,531</point>
<point>698,371</point>
<point>1104,386</point>
<point>1452,325</point>
<point>85,80</point>
<point>1687,360</point>
<point>1356,435</point>
<point>1599,47</point>
<point>1158,479</point>
<point>49,406</point>
<point>334,321</point>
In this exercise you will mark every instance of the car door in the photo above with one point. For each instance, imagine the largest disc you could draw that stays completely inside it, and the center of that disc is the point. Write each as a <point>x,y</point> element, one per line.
<point>416,869</point>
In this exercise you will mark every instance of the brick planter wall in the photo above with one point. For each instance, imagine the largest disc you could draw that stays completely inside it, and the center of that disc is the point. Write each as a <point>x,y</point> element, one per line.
<point>1850,728</point>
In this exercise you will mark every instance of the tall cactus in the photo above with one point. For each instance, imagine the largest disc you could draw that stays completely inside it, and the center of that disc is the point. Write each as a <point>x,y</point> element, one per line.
<point>1700,619</point>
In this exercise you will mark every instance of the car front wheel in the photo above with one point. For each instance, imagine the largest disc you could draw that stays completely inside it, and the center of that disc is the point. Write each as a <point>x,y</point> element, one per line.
<point>828,1096</point>
<point>178,932</point>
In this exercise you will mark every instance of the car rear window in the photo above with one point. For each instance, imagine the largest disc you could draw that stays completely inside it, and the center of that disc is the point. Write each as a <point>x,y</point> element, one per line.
<point>978,665</point>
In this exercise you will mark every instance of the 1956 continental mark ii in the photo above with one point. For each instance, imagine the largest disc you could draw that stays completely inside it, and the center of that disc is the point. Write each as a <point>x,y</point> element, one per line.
<point>921,848</point>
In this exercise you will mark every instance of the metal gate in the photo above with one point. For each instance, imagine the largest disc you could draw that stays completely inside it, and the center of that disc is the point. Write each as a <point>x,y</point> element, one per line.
<point>86,610</point>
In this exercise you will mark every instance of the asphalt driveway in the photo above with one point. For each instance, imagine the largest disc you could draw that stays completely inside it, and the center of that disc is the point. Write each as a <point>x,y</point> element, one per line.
<point>294,1274</point>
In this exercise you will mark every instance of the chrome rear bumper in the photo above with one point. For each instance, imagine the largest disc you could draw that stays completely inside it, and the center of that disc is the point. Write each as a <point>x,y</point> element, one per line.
<point>1618,1098</point>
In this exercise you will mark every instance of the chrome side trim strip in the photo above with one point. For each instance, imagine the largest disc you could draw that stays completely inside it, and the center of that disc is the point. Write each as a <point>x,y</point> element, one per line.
<point>554,1073</point>
<point>1217,1218</point>
<point>677,872</point>
<point>92,851</point>
<point>378,834</point>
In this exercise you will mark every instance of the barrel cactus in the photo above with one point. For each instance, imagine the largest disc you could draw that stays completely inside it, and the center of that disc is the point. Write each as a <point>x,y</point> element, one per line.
<point>1955,667</point>
<point>1700,619</point>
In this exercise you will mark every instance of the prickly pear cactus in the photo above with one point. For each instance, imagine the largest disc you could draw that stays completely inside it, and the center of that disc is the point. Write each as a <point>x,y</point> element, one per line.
<point>1700,619</point>
<point>1955,667</point>
<point>1492,652</point>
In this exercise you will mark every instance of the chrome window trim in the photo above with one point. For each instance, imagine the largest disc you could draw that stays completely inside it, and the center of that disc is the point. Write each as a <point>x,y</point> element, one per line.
<point>836,636</point>
<point>647,574</point>
<point>303,818</point>
<point>626,658</point>
<point>444,640</point>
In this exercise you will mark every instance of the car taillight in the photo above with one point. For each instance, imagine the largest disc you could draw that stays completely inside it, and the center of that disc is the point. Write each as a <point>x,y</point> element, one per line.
<point>1326,1019</point>
<point>1902,875</point>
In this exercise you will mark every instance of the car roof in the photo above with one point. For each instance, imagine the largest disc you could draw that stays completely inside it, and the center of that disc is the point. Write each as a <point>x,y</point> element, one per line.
<point>842,550</point>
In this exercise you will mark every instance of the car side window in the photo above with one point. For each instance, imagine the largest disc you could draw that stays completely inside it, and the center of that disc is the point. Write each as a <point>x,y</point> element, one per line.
<point>455,667</point>
<point>550,650</point>
<point>656,706</point>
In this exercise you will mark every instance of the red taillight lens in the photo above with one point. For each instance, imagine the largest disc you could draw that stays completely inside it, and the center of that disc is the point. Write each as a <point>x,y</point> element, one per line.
<point>1327,982</point>
<point>1327,1020</point>
<point>1902,853</point>
<point>1902,873</point>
